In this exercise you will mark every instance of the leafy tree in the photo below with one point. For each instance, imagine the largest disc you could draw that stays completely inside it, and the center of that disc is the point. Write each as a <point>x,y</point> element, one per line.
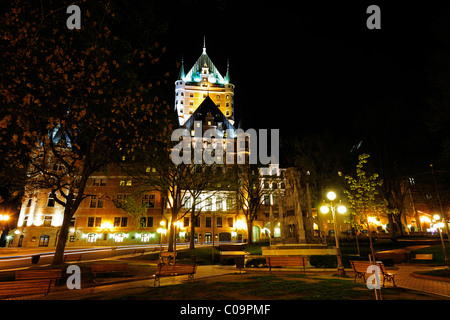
<point>71,100</point>
<point>363,196</point>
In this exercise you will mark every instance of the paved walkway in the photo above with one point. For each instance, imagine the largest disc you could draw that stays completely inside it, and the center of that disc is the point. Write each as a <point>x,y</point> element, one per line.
<point>403,279</point>
<point>202,272</point>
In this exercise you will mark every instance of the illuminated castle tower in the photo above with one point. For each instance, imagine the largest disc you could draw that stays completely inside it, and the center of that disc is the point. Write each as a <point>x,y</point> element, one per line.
<point>203,80</point>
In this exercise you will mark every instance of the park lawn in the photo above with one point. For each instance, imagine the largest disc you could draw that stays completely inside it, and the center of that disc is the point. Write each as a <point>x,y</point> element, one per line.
<point>264,286</point>
<point>436,250</point>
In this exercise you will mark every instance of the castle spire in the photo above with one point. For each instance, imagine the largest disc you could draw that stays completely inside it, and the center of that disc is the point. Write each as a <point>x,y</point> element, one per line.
<point>181,75</point>
<point>227,76</point>
<point>204,44</point>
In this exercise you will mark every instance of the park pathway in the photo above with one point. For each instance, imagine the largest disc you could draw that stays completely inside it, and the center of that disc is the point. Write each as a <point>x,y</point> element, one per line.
<point>405,279</point>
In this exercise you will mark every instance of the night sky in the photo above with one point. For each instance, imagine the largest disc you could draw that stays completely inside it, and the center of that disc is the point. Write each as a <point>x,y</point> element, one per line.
<point>317,68</point>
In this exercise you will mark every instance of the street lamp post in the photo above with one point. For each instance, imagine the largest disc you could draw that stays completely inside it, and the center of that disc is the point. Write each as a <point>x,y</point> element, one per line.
<point>440,225</point>
<point>340,209</point>
<point>161,231</point>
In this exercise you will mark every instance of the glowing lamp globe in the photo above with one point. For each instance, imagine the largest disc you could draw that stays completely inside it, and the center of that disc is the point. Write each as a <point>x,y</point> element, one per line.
<point>331,195</point>
<point>324,209</point>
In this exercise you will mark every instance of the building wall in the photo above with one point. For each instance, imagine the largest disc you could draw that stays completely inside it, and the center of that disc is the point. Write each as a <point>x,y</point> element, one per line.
<point>188,96</point>
<point>98,221</point>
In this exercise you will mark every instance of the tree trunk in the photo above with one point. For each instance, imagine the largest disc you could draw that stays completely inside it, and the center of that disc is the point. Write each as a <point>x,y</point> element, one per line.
<point>372,251</point>
<point>172,230</point>
<point>192,238</point>
<point>58,258</point>
<point>249,230</point>
<point>392,231</point>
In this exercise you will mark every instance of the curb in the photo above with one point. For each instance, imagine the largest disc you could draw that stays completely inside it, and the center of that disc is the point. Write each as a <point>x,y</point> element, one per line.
<point>428,277</point>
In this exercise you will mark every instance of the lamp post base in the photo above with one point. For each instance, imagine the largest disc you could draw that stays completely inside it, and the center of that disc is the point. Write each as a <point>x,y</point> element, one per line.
<point>341,271</point>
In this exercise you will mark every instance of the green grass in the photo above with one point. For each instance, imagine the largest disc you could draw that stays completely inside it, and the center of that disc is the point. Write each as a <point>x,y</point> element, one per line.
<point>436,250</point>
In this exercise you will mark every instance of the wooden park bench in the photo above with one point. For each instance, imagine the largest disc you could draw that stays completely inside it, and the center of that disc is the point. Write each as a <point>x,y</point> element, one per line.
<point>167,257</point>
<point>72,257</point>
<point>164,270</point>
<point>360,269</point>
<point>424,256</point>
<point>108,268</point>
<point>35,274</point>
<point>286,261</point>
<point>26,287</point>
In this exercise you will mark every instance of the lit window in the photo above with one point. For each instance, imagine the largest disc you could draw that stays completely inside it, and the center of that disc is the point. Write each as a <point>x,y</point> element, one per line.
<point>47,221</point>
<point>91,237</point>
<point>96,203</point>
<point>118,237</point>
<point>50,201</point>
<point>148,199</point>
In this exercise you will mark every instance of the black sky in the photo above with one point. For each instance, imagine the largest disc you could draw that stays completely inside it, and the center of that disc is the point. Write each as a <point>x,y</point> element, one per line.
<point>316,67</point>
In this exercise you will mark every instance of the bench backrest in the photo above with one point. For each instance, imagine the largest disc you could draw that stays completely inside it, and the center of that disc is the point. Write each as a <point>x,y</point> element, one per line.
<point>424,256</point>
<point>286,261</point>
<point>361,266</point>
<point>168,254</point>
<point>72,257</point>
<point>178,268</point>
<point>38,274</point>
<point>103,267</point>
<point>26,287</point>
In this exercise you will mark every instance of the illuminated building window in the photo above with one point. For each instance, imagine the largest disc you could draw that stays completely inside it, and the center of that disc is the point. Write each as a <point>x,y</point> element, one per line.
<point>118,237</point>
<point>148,199</point>
<point>219,205</point>
<point>208,205</point>
<point>120,221</point>
<point>43,240</point>
<point>96,203</point>
<point>146,222</point>
<point>219,222</point>
<point>145,237</point>
<point>47,221</point>
<point>91,237</point>
<point>99,182</point>
<point>94,222</point>
<point>50,201</point>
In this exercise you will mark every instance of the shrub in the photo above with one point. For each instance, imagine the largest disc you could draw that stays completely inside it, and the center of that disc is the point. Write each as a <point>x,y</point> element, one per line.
<point>256,262</point>
<point>323,261</point>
